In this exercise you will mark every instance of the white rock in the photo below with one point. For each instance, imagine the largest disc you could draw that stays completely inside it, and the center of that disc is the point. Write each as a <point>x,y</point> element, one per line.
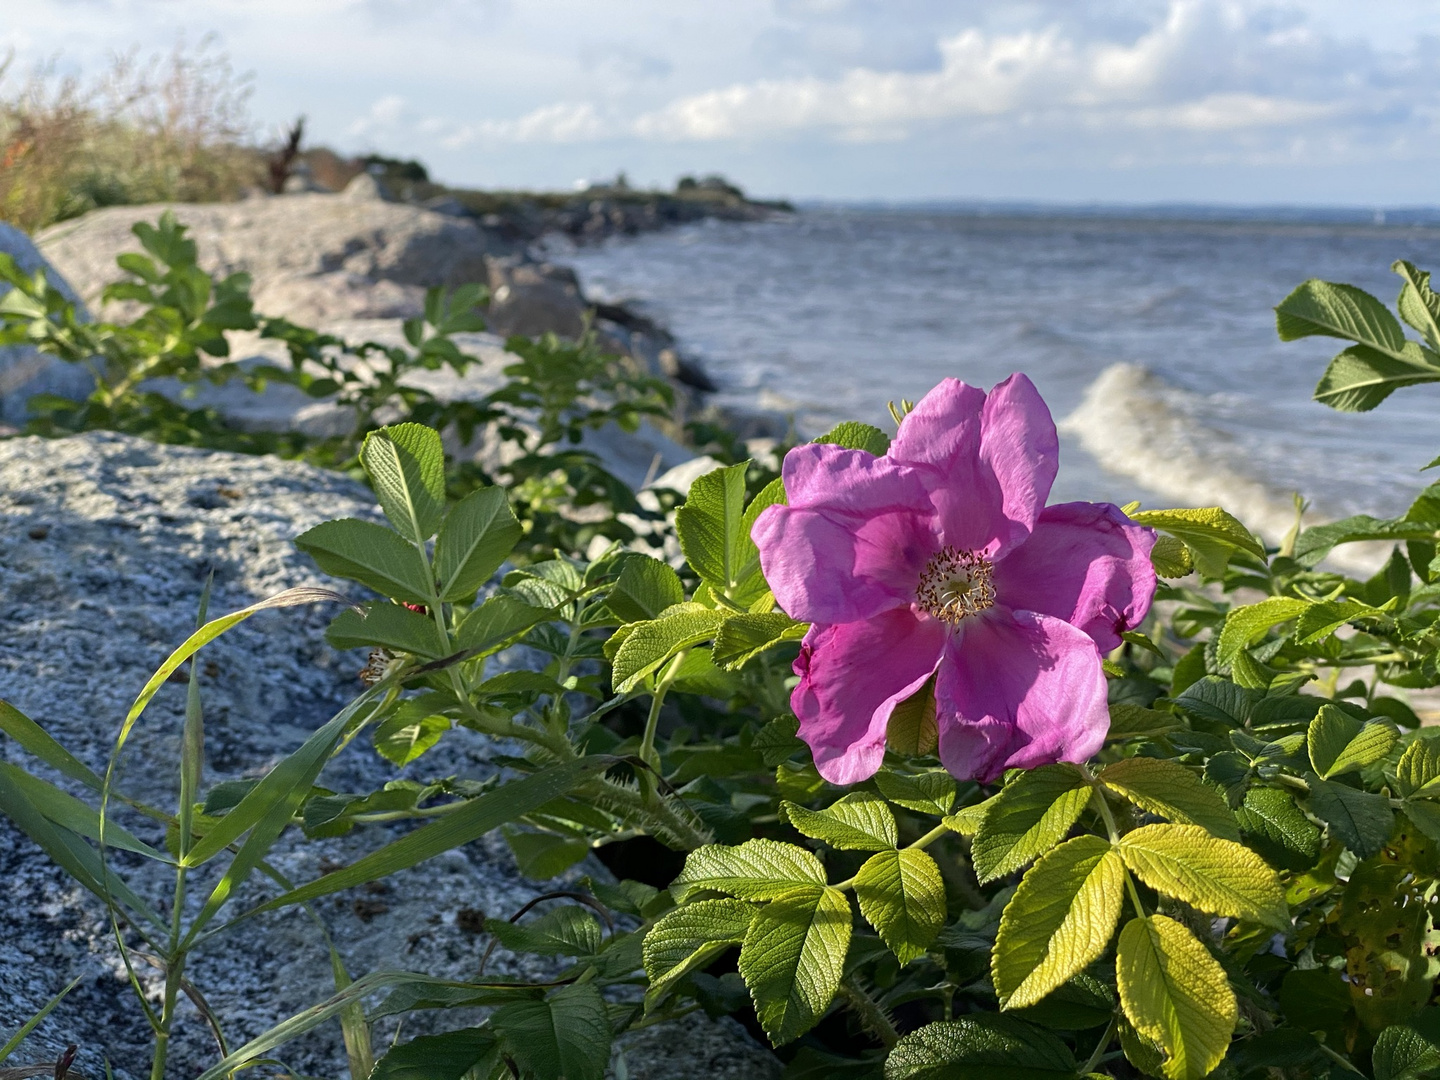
<point>24,370</point>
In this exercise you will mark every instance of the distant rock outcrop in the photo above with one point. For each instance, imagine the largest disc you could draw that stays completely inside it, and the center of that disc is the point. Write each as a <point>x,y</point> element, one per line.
<point>24,371</point>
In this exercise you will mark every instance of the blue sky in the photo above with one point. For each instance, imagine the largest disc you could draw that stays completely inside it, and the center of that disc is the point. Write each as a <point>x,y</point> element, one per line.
<point>1326,101</point>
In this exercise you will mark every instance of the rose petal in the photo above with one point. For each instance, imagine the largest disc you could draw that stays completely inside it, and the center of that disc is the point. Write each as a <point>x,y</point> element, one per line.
<point>853,540</point>
<point>851,677</point>
<point>989,461</point>
<point>1086,563</point>
<point>1017,690</point>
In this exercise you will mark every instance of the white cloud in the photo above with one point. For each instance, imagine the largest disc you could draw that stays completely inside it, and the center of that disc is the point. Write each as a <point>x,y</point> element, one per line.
<point>562,122</point>
<point>384,116</point>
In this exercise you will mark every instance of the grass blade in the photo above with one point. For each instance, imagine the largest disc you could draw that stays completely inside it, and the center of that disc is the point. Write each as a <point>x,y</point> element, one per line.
<point>34,1022</point>
<point>34,740</point>
<point>70,813</point>
<point>477,818</point>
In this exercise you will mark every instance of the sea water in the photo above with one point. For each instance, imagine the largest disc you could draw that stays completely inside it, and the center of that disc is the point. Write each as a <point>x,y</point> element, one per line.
<point>1151,336</point>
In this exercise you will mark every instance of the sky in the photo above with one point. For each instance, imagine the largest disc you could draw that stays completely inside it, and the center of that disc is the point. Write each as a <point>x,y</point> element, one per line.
<point>1313,102</point>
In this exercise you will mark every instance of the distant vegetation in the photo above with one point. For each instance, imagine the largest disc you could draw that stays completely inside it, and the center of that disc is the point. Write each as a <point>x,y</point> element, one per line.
<point>177,128</point>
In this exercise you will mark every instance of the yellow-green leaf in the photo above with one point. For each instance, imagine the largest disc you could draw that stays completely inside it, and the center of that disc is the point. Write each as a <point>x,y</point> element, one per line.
<point>755,870</point>
<point>793,958</point>
<point>902,895</point>
<point>1216,876</point>
<point>1340,743</point>
<point>1027,818</point>
<point>1244,625</point>
<point>1418,773</point>
<point>690,936</point>
<point>1169,789</point>
<point>1209,532</point>
<point>1059,920</point>
<point>1175,994</point>
<point>861,821</point>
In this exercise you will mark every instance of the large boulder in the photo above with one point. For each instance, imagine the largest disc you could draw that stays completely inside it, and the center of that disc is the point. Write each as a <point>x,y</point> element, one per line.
<point>314,257</point>
<point>25,371</point>
<point>530,298</point>
<point>105,544</point>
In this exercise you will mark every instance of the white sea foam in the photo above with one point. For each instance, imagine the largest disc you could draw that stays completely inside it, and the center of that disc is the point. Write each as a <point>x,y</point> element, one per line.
<point>1135,423</point>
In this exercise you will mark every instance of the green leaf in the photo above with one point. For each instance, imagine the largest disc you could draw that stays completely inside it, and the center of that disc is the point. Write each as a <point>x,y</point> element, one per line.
<point>709,528</point>
<point>563,931</point>
<point>644,589</point>
<point>1219,700</point>
<point>1278,829</point>
<point>13,1043</point>
<point>448,1056</point>
<point>478,535</point>
<point>751,585</point>
<point>744,637</point>
<point>1171,558</point>
<point>1418,305</point>
<point>567,1035</point>
<point>1059,921</point>
<point>35,741</point>
<point>497,622</point>
<point>388,625</point>
<point>1362,821</point>
<point>406,466</point>
<point>793,958</point>
<point>1409,1051</point>
<point>370,554</point>
<point>1175,994</point>
<point>913,730</point>
<point>647,645</point>
<point>1341,311</point>
<point>1360,378</point>
<point>1171,790</point>
<point>1134,721</point>
<point>980,1046</point>
<point>1028,818</point>
<point>1245,625</point>
<point>70,813</point>
<point>853,435</point>
<point>472,821</point>
<point>1312,545</point>
<point>756,870</point>
<point>1209,532</point>
<point>409,732</point>
<point>925,793</point>
<point>902,895</point>
<point>1418,773</point>
<point>1217,876</point>
<point>1339,743</point>
<point>542,856</point>
<point>859,821</point>
<point>690,937</point>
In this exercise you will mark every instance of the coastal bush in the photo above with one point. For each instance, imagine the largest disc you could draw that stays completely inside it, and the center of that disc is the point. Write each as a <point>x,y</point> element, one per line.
<point>914,775</point>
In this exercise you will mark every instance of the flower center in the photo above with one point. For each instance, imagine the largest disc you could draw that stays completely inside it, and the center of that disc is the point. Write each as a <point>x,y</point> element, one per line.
<point>956,584</point>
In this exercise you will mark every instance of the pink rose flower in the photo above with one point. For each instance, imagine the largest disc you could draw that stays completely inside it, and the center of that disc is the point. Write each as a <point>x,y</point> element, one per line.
<point>941,558</point>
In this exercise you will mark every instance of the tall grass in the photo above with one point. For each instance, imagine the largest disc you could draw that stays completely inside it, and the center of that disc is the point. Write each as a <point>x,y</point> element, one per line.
<point>174,126</point>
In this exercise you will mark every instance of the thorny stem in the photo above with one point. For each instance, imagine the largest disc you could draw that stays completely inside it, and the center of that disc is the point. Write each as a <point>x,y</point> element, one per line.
<point>869,1012</point>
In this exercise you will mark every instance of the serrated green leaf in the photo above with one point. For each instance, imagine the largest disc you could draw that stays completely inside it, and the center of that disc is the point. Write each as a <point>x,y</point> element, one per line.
<point>1341,311</point>
<point>902,895</point>
<point>1360,378</point>
<point>1320,620</point>
<point>566,1035</point>
<point>1409,1051</point>
<point>1270,818</point>
<point>690,937</point>
<point>1175,994</point>
<point>913,730</point>
<point>447,1056</point>
<point>1171,558</point>
<point>980,1046</point>
<point>1217,699</point>
<point>497,622</point>
<point>1312,545</point>
<point>562,931</point>
<point>409,732</point>
<point>1418,773</point>
<point>1171,790</point>
<point>1339,743</point>
<point>751,585</point>
<point>1418,305</point>
<point>1244,625</point>
<point>542,856</point>
<point>644,589</point>
<point>853,435</point>
<point>1217,876</point>
<point>710,530</point>
<point>370,554</point>
<point>478,535</point>
<point>755,870</point>
<point>1059,921</point>
<point>1209,532</point>
<point>406,466</point>
<point>744,637</point>
<point>1361,820</point>
<point>647,645</point>
<point>1135,721</point>
<point>1028,818</point>
<point>793,959</point>
<point>388,625</point>
<point>925,793</point>
<point>859,821</point>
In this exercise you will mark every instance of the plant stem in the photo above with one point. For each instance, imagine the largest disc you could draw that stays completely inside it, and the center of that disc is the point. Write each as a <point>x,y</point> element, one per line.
<point>1094,1062</point>
<point>868,1011</point>
<point>657,700</point>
